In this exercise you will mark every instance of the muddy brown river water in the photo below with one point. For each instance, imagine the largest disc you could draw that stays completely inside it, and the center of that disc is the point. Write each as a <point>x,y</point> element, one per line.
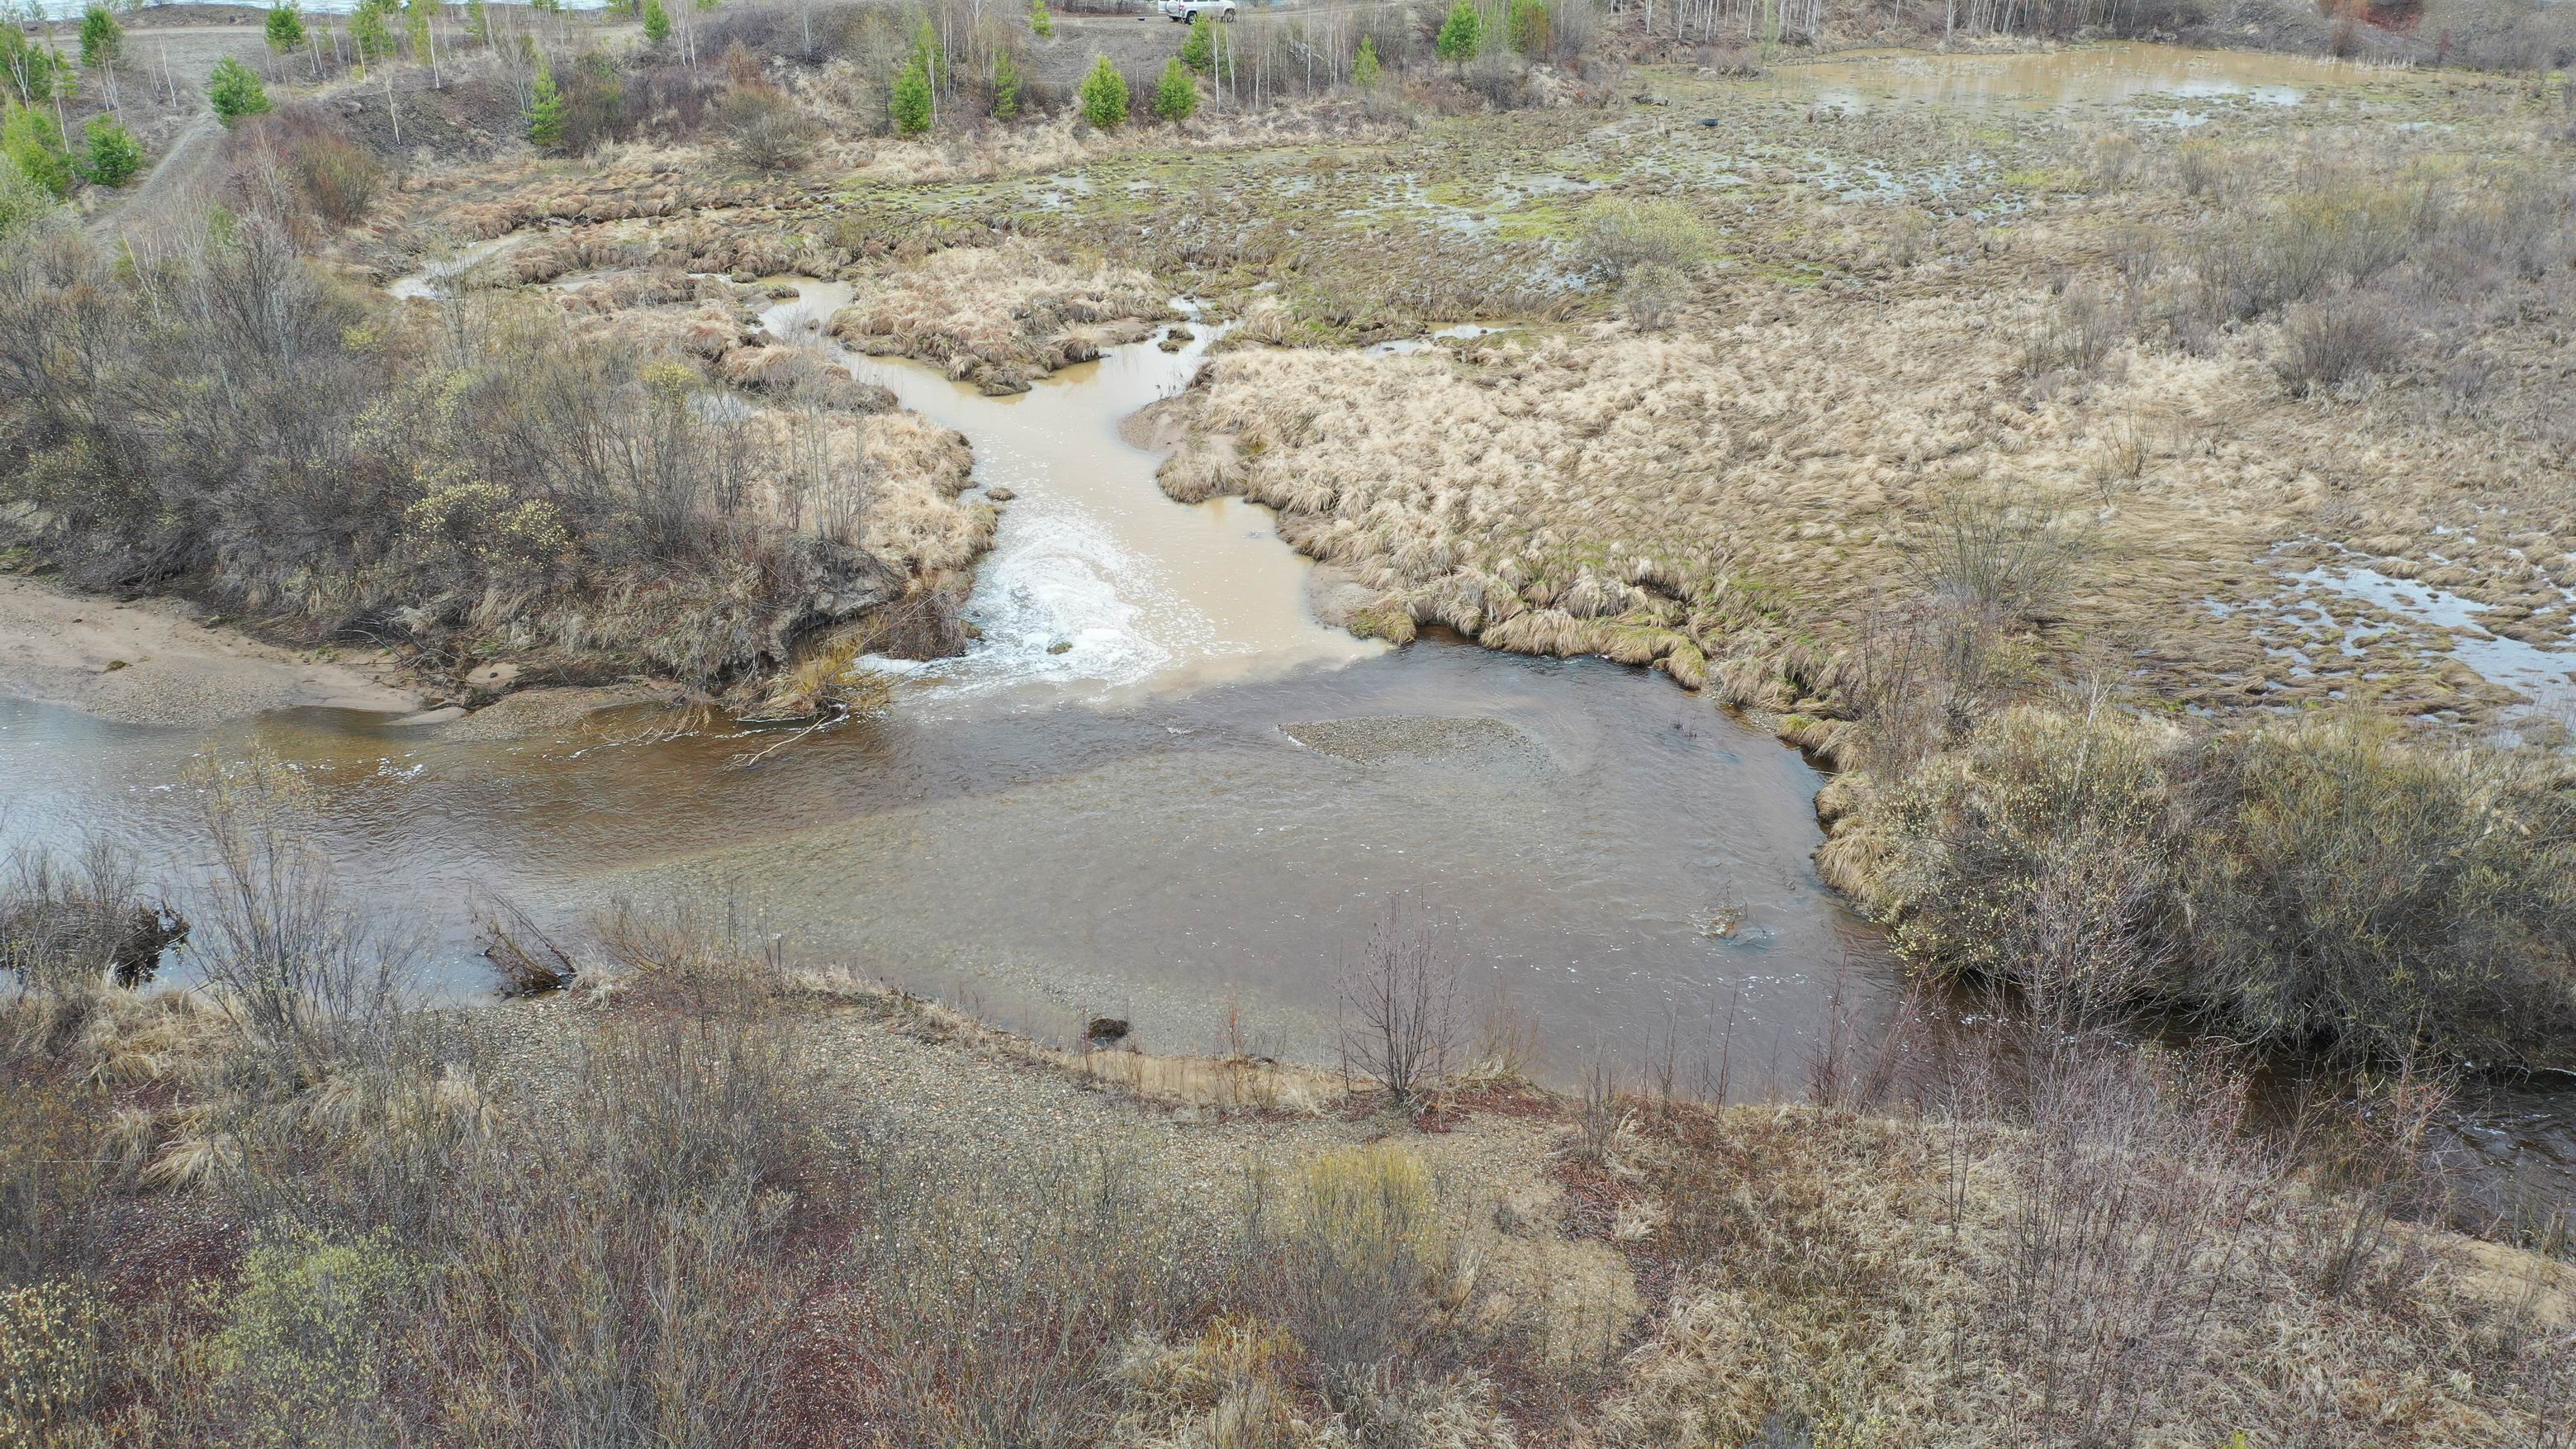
<point>1157,788</point>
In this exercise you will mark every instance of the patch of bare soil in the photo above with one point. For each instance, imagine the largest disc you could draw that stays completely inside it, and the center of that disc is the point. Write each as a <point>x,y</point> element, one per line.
<point>154,662</point>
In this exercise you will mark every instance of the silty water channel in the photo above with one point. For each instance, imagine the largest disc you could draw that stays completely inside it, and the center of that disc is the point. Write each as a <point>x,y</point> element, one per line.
<point>1155,788</point>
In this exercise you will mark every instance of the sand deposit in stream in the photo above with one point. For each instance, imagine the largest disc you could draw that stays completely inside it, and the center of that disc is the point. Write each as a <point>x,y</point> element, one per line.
<point>153,663</point>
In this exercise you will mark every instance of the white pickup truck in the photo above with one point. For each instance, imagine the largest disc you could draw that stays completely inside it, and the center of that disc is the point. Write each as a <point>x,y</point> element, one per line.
<point>1186,11</point>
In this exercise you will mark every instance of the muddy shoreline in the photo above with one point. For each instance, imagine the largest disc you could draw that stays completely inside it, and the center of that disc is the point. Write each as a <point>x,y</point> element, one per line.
<point>164,661</point>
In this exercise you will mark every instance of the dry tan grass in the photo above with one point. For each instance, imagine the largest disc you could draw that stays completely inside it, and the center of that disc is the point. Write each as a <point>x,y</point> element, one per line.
<point>1844,1298</point>
<point>998,315</point>
<point>1752,493</point>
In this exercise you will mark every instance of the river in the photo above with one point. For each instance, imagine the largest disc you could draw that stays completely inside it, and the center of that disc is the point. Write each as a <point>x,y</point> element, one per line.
<point>1106,807</point>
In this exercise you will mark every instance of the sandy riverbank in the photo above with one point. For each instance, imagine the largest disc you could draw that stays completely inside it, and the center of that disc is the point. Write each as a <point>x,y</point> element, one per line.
<point>153,662</point>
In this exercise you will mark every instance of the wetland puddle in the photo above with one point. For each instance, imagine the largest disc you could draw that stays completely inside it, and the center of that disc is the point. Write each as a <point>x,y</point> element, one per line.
<point>2121,73</point>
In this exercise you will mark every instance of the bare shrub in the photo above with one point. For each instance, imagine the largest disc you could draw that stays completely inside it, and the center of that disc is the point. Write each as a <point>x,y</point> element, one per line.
<point>1652,296</point>
<point>1499,76</point>
<point>304,157</point>
<point>52,1178</point>
<point>2344,335</point>
<point>1621,235</point>
<point>986,1307</point>
<point>1924,671</point>
<point>2075,338</point>
<point>2113,161</point>
<point>669,1314</point>
<point>1597,1112</point>
<point>764,129</point>
<point>1997,551</point>
<point>2338,233</point>
<point>1356,1262</point>
<point>2039,854</point>
<point>295,970</point>
<point>2352,890</point>
<point>2131,1230</point>
<point>2323,886</point>
<point>2202,169</point>
<point>1396,1005</point>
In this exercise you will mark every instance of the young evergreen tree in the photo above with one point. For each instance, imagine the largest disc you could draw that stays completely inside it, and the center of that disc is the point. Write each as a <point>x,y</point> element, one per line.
<point>1365,72</point>
<point>30,138</point>
<point>368,31</point>
<point>29,67</point>
<point>545,112</point>
<point>910,104</point>
<point>1532,27</point>
<point>112,155</point>
<point>1177,95</point>
<point>235,92</point>
<point>1459,33</point>
<point>1006,86</point>
<point>478,22</point>
<point>1104,95</point>
<point>657,22</point>
<point>22,201</point>
<point>285,27</point>
<point>1198,51</point>
<point>102,39</point>
<point>1041,19</point>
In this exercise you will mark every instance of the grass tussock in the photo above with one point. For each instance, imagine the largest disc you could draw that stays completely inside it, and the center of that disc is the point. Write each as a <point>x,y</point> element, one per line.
<point>999,316</point>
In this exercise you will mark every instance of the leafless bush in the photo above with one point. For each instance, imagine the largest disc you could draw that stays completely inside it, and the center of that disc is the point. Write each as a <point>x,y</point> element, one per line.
<point>2339,337</point>
<point>1924,672</point>
<point>2114,161</point>
<point>987,1307</point>
<point>1597,1110</point>
<point>765,130</point>
<point>2352,890</point>
<point>2074,339</point>
<point>1620,235</point>
<point>1357,1261</point>
<point>1397,1005</point>
<point>2201,168</point>
<point>1997,551</point>
<point>1499,76</point>
<point>297,971</point>
<point>1652,296</point>
<point>2343,232</point>
<point>303,162</point>
<point>622,1266</point>
<point>2132,1225</point>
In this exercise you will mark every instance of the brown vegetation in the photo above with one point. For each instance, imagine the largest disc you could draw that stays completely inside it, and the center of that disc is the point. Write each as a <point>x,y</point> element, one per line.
<point>459,479</point>
<point>2063,1242</point>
